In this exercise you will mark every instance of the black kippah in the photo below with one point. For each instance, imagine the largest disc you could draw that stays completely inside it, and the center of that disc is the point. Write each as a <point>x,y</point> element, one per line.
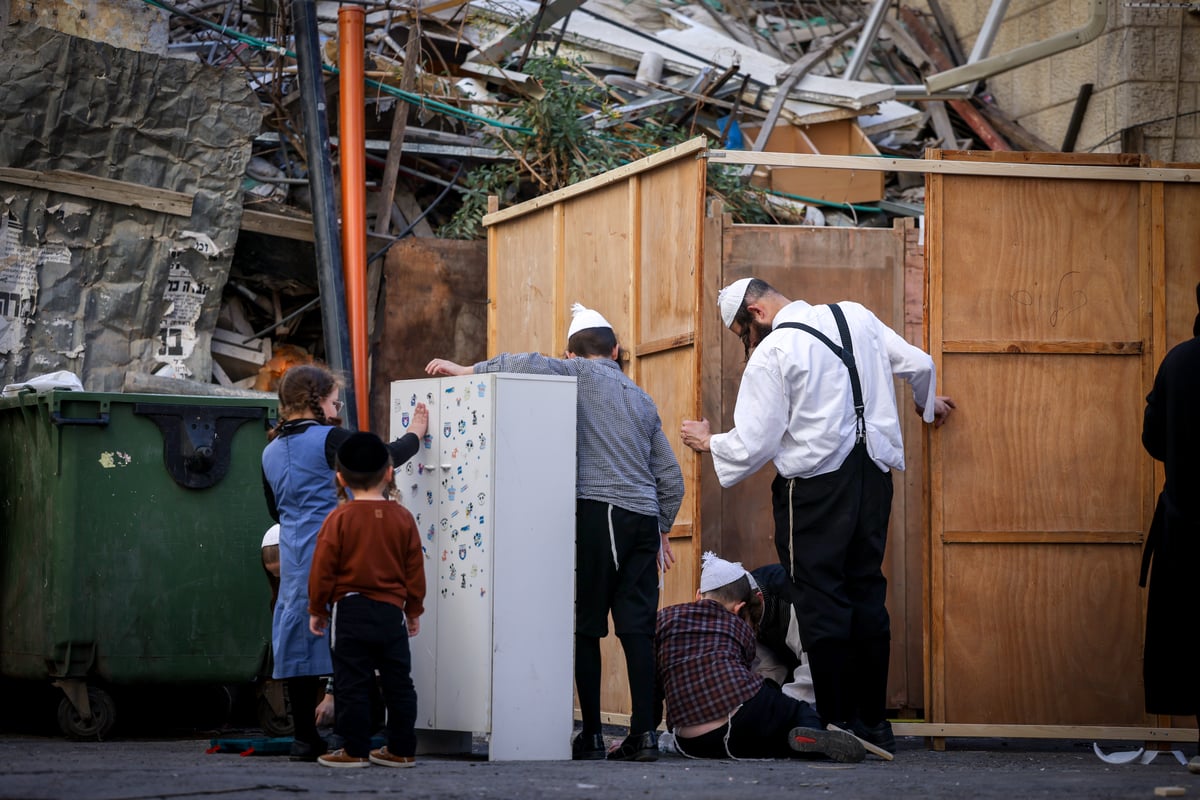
<point>363,452</point>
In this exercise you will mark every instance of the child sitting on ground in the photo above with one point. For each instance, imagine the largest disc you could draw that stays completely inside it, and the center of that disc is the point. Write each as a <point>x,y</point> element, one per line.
<point>717,706</point>
<point>368,573</point>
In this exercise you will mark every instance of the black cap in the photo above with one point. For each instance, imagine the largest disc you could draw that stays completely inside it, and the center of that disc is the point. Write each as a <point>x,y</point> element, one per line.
<point>363,452</point>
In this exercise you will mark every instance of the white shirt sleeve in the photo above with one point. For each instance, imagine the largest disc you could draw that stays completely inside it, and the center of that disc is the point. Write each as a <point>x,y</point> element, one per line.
<point>760,420</point>
<point>913,365</point>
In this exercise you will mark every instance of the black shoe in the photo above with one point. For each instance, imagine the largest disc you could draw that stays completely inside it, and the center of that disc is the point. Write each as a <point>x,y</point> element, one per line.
<point>879,735</point>
<point>637,747</point>
<point>308,751</point>
<point>588,747</point>
<point>838,745</point>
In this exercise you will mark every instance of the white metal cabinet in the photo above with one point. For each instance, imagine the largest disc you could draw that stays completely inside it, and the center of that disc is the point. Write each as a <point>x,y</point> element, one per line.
<point>493,493</point>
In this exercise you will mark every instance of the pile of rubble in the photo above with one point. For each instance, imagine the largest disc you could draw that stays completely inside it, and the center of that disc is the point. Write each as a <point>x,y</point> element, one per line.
<point>516,99</point>
<point>519,98</point>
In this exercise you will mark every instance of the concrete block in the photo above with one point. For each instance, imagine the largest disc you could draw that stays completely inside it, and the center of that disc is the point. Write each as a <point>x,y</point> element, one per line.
<point>1166,54</point>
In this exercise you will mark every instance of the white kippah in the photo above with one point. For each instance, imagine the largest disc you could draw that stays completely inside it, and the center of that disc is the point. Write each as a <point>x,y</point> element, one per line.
<point>583,318</point>
<point>729,299</point>
<point>716,572</point>
<point>271,536</point>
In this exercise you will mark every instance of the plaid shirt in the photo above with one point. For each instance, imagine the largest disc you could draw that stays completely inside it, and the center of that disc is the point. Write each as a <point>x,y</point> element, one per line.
<point>703,662</point>
<point>623,457</point>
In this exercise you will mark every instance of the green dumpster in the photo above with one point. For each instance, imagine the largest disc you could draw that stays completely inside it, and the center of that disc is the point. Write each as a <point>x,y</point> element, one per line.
<point>130,531</point>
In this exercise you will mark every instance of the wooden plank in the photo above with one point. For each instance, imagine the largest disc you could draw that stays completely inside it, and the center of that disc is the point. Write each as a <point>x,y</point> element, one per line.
<point>659,345</point>
<point>934,591</point>
<point>1049,613</point>
<point>1074,497</point>
<point>941,61</point>
<point>708,389</point>
<point>1015,347</point>
<point>121,193</point>
<point>285,227</point>
<point>391,166</point>
<point>1095,733</point>
<point>654,161</point>
<point>927,166</point>
<point>916,499</point>
<point>1067,467</point>
<point>717,48</point>
<point>1043,537</point>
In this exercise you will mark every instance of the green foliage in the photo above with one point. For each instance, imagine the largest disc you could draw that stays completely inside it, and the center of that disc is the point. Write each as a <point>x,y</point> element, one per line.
<point>562,149</point>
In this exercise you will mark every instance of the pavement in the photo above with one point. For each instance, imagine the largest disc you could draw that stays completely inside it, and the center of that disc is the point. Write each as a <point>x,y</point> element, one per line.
<point>137,767</point>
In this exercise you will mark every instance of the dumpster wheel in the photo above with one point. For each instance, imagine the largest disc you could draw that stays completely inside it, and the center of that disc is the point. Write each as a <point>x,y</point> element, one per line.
<point>104,714</point>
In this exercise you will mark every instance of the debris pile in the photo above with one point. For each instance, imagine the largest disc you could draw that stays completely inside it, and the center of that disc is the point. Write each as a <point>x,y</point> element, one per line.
<point>468,100</point>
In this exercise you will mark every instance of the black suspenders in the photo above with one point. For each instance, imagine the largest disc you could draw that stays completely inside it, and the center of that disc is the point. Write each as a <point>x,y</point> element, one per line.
<point>846,354</point>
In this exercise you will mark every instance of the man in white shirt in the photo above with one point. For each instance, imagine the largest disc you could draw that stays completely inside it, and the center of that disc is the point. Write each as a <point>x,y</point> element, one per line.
<point>817,398</point>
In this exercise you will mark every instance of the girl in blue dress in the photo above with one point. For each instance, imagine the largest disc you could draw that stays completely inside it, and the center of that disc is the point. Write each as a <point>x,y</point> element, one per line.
<point>298,480</point>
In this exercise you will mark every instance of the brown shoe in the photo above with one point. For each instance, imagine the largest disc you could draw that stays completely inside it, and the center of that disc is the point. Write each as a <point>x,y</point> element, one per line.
<point>385,759</point>
<point>341,759</point>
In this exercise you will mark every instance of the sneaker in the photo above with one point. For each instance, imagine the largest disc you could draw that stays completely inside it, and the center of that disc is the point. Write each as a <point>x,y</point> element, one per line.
<point>837,744</point>
<point>385,759</point>
<point>636,747</point>
<point>879,735</point>
<point>1194,765</point>
<point>307,751</point>
<point>588,747</point>
<point>342,759</point>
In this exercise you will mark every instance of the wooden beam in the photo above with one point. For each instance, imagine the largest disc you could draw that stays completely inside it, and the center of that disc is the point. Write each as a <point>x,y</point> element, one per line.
<point>791,77</point>
<point>1043,537</point>
<point>663,345</point>
<point>942,62</point>
<point>1093,732</point>
<point>692,146</point>
<point>391,167</point>
<point>299,228</point>
<point>1046,348</point>
<point>988,169</point>
<point>121,193</point>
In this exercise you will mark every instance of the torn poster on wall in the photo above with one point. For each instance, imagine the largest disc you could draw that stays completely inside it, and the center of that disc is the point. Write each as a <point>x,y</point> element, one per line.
<point>19,281</point>
<point>106,286</point>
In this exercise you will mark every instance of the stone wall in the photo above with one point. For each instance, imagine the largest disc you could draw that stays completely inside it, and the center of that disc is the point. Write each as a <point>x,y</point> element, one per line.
<point>130,24</point>
<point>1144,68</point>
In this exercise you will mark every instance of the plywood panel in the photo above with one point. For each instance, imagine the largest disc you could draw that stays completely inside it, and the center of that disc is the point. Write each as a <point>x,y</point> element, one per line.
<point>1043,443</point>
<point>1182,234</point>
<point>669,234</point>
<point>821,265</point>
<point>1046,298</point>
<point>597,230</point>
<point>627,244</point>
<point>1022,266</point>
<point>660,374</point>
<point>523,307</point>
<point>1043,634</point>
<point>817,265</point>
<point>435,307</point>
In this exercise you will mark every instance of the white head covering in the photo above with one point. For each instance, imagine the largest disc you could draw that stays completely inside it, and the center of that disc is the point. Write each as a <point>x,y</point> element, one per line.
<point>584,318</point>
<point>716,572</point>
<point>271,536</point>
<point>729,299</point>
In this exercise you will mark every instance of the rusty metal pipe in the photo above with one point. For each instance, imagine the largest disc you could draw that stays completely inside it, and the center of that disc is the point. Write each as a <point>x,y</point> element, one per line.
<point>352,150</point>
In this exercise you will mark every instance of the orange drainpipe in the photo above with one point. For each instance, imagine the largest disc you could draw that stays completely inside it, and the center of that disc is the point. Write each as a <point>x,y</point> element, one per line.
<point>352,150</point>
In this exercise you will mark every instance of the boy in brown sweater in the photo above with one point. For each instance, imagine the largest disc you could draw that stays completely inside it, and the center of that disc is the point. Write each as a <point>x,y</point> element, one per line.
<point>368,573</point>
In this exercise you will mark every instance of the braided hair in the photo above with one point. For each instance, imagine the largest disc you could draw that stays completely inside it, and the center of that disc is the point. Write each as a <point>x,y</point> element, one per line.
<point>301,389</point>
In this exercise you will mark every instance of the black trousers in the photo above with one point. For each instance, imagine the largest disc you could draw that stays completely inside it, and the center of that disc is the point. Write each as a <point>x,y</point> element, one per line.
<point>759,729</point>
<point>367,635</point>
<point>616,571</point>
<point>830,533</point>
